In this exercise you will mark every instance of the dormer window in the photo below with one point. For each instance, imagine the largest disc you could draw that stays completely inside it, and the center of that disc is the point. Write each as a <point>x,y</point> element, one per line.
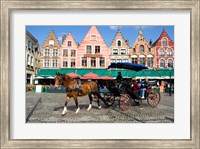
<point>119,43</point>
<point>141,49</point>
<point>69,43</point>
<point>93,37</point>
<point>164,42</point>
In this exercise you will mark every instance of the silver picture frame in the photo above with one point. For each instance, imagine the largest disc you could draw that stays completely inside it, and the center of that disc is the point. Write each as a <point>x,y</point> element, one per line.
<point>192,5</point>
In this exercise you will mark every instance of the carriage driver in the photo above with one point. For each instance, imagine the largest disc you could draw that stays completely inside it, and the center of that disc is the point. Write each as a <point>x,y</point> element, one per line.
<point>119,77</point>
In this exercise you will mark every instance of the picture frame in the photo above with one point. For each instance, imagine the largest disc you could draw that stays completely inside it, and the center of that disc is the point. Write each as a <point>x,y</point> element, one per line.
<point>8,6</point>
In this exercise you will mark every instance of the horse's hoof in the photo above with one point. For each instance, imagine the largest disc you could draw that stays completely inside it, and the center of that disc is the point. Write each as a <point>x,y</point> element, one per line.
<point>77,110</point>
<point>64,113</point>
<point>90,106</point>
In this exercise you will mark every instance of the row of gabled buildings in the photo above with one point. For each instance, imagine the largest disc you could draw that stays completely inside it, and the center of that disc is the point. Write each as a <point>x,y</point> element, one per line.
<point>93,51</point>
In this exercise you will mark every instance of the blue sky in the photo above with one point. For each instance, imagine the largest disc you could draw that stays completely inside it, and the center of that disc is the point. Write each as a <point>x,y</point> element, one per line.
<point>107,32</point>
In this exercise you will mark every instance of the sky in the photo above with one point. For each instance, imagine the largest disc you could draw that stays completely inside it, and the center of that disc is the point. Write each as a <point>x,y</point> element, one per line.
<point>107,32</point>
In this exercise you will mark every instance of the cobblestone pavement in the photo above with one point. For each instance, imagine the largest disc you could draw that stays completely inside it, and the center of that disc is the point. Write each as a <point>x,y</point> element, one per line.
<point>47,108</point>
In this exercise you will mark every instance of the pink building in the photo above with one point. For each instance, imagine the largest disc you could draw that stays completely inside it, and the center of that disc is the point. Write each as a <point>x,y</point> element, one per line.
<point>93,51</point>
<point>68,52</point>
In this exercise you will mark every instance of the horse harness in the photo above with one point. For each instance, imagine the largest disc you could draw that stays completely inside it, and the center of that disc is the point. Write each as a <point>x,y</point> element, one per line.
<point>74,89</point>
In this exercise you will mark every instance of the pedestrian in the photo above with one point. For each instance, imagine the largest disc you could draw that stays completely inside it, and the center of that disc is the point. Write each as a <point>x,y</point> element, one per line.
<point>144,86</point>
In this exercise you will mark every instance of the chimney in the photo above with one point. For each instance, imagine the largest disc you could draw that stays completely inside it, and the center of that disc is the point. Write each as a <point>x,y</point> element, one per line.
<point>63,38</point>
<point>150,42</point>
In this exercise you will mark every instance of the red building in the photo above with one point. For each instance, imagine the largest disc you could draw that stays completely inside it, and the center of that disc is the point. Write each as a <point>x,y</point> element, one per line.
<point>164,51</point>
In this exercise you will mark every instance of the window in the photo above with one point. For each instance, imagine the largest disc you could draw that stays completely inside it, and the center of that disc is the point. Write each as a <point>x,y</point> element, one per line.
<point>73,53</point>
<point>27,60</point>
<point>118,43</point>
<point>73,64</point>
<point>164,42</point>
<point>55,52</point>
<point>65,52</point>
<point>134,50</point>
<point>93,37</point>
<point>112,61</point>
<point>93,62</point>
<point>142,60</point>
<point>150,61</point>
<point>46,52</point>
<point>141,49</point>
<point>119,60</point>
<point>55,63</point>
<point>46,63</point>
<point>65,64</point>
<point>125,60</point>
<point>69,43</point>
<point>115,51</point>
<point>149,50</point>
<point>170,63</point>
<point>102,61</point>
<point>84,62</point>
<point>135,60</point>
<point>97,49</point>
<point>31,61</point>
<point>162,63</point>
<point>161,53</point>
<point>32,46</point>
<point>123,51</point>
<point>169,52</point>
<point>89,49</point>
<point>29,44</point>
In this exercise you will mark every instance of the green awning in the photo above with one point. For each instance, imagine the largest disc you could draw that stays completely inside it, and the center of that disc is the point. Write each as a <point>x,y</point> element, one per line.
<point>47,72</point>
<point>163,73</point>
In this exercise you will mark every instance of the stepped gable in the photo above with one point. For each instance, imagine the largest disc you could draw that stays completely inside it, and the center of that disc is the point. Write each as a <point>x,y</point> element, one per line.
<point>140,36</point>
<point>118,35</point>
<point>93,30</point>
<point>51,36</point>
<point>163,34</point>
<point>70,37</point>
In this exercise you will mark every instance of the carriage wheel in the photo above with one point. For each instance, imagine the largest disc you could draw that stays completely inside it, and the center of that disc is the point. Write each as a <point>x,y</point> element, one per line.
<point>125,102</point>
<point>153,98</point>
<point>109,99</point>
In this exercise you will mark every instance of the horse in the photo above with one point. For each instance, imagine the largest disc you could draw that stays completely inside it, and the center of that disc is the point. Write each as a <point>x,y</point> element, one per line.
<point>73,89</point>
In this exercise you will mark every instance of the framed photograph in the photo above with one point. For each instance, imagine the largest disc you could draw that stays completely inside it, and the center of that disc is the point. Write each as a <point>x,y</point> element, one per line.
<point>179,20</point>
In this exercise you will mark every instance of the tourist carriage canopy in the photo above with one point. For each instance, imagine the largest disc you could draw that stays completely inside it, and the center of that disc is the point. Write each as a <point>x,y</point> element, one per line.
<point>126,65</point>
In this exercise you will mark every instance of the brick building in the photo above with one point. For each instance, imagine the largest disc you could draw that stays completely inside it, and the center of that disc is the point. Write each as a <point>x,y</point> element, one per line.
<point>141,51</point>
<point>119,49</point>
<point>164,51</point>
<point>68,52</point>
<point>93,51</point>
<point>50,52</point>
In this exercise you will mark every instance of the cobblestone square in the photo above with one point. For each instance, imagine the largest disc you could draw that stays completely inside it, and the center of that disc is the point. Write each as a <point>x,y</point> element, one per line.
<point>47,108</point>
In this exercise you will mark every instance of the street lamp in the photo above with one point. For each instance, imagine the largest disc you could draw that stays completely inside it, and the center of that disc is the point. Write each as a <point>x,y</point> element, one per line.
<point>170,81</point>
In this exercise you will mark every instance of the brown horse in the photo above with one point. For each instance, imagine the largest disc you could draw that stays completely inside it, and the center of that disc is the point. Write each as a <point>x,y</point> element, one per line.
<point>74,90</point>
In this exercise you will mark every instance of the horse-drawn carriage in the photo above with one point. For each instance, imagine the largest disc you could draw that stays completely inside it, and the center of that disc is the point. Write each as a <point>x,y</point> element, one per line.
<point>122,91</point>
<point>114,91</point>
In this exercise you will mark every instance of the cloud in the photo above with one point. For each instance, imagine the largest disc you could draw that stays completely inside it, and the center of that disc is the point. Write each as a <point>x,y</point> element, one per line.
<point>114,27</point>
